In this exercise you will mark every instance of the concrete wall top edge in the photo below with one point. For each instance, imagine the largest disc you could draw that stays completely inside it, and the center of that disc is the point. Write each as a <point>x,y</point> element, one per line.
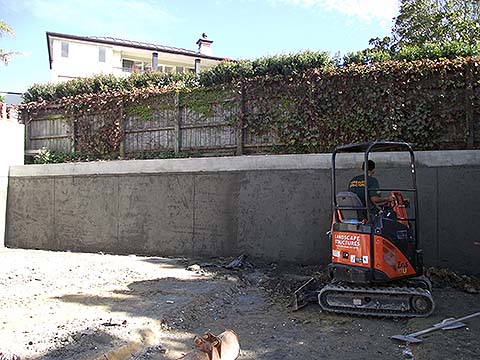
<point>246,163</point>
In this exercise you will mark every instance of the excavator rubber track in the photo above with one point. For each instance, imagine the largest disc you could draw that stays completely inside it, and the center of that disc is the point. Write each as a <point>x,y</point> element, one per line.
<point>384,301</point>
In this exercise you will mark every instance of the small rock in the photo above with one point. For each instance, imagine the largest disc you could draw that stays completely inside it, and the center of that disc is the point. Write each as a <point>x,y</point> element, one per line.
<point>470,289</point>
<point>194,267</point>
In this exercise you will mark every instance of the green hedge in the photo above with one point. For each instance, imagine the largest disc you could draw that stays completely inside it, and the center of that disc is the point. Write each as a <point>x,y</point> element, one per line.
<point>411,53</point>
<point>227,72</point>
<point>273,66</point>
<point>105,84</point>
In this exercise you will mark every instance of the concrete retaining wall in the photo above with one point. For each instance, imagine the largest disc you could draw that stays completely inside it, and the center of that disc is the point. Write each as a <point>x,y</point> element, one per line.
<point>270,207</point>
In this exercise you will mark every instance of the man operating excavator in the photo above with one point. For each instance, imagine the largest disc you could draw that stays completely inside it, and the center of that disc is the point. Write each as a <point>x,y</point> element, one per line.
<point>357,186</point>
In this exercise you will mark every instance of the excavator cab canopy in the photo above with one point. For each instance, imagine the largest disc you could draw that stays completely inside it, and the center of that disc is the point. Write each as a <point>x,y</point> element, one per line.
<point>367,148</point>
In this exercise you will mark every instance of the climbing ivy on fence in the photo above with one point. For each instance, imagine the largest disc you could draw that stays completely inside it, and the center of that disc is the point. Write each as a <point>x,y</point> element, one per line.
<point>424,102</point>
<point>98,118</point>
<point>433,104</point>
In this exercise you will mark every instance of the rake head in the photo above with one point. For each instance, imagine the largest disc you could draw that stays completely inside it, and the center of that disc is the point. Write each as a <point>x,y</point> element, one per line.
<point>406,338</point>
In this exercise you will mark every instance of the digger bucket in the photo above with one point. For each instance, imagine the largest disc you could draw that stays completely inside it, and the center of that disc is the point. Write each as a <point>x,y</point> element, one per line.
<point>306,294</point>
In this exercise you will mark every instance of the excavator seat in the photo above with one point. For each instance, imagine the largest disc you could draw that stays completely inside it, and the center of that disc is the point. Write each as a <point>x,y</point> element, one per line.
<point>351,200</point>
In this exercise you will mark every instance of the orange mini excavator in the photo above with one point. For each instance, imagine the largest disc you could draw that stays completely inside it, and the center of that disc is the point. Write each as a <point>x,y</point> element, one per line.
<point>377,266</point>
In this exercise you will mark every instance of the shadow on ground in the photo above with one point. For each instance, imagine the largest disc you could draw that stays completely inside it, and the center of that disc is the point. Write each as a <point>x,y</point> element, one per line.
<point>157,298</point>
<point>78,345</point>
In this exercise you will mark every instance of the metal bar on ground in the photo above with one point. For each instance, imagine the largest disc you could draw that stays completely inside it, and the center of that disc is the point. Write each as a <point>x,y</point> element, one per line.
<point>447,324</point>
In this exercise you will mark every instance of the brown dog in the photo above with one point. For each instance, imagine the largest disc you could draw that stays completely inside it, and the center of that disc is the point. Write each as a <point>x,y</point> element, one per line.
<point>210,347</point>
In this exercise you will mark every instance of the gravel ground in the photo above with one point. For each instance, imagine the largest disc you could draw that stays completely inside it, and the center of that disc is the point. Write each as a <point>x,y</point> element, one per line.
<point>61,305</point>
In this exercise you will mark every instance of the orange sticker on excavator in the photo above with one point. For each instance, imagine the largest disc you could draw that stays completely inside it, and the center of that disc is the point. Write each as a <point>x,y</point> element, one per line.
<point>390,260</point>
<point>351,249</point>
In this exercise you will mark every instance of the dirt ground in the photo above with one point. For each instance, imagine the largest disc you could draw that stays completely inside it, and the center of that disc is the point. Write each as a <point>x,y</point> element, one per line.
<point>61,305</point>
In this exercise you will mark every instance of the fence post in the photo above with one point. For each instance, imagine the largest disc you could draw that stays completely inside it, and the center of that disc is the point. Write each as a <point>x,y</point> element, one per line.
<point>178,123</point>
<point>469,95</point>
<point>124,133</point>
<point>240,122</point>
<point>73,144</point>
<point>27,120</point>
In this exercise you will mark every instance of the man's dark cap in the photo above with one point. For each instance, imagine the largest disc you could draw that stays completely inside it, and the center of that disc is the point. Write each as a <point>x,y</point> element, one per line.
<point>371,165</point>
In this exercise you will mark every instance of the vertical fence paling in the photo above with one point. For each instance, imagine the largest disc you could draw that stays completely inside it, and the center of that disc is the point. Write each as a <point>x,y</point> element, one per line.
<point>240,123</point>
<point>178,124</point>
<point>122,127</point>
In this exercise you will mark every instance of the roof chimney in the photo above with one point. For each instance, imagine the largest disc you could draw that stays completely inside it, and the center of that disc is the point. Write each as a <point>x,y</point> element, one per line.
<point>204,45</point>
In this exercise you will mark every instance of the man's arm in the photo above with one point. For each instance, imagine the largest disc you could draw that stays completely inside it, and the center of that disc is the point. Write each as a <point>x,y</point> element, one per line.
<point>375,194</point>
<point>381,199</point>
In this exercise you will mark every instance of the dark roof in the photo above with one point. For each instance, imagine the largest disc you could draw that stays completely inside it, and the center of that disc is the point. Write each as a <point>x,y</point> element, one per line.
<point>128,43</point>
<point>373,146</point>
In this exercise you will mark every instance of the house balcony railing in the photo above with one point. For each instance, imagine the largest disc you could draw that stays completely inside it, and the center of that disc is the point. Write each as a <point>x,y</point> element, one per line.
<point>125,71</point>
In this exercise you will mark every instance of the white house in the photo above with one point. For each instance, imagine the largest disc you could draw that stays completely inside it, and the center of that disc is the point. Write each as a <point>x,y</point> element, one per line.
<point>73,56</point>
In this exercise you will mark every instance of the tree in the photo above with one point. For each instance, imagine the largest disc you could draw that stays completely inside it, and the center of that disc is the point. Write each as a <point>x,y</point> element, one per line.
<point>436,22</point>
<point>426,29</point>
<point>5,30</point>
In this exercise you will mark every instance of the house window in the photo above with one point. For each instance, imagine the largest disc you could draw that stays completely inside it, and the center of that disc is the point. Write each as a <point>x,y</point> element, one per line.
<point>64,49</point>
<point>168,69</point>
<point>139,66</point>
<point>179,69</point>
<point>101,54</point>
<point>127,65</point>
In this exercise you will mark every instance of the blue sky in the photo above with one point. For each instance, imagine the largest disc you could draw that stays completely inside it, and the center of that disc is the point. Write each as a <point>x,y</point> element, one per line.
<point>240,29</point>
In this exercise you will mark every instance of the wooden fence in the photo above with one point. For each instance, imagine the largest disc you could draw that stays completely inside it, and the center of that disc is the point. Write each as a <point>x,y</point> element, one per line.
<point>168,126</point>
<point>222,125</point>
<point>50,131</point>
<point>179,128</point>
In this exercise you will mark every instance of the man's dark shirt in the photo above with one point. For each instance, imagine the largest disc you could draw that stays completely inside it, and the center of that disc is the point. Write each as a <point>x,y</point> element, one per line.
<point>357,186</point>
